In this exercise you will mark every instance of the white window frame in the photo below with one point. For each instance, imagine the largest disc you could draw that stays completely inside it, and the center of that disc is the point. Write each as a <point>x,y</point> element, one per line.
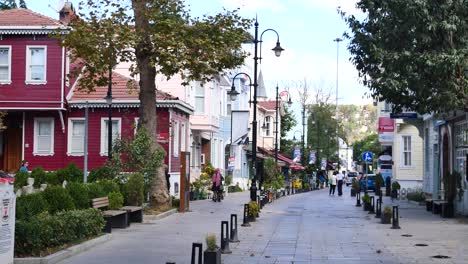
<point>200,96</point>
<point>104,132</point>
<point>403,151</point>
<point>7,81</point>
<point>70,136</point>
<point>36,134</point>
<point>268,126</point>
<point>183,136</point>
<point>175,139</point>
<point>28,64</point>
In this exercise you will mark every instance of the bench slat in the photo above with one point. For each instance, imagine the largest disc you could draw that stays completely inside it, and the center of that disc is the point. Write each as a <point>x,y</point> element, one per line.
<point>100,202</point>
<point>113,212</point>
<point>132,208</point>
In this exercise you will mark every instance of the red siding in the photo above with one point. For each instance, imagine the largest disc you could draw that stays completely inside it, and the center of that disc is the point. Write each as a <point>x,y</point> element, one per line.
<point>18,90</point>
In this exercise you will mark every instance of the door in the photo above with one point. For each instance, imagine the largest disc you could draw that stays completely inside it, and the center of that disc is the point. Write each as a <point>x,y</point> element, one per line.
<point>12,154</point>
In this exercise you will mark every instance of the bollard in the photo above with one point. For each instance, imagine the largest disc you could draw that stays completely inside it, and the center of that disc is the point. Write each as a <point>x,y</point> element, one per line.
<point>371,210</point>
<point>358,199</point>
<point>233,235</point>
<point>245,221</point>
<point>395,218</point>
<point>378,205</point>
<point>225,238</point>
<point>194,247</point>
<point>260,205</point>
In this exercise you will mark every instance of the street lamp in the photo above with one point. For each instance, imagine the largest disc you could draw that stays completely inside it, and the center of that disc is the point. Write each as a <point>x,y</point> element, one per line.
<point>277,118</point>
<point>108,99</point>
<point>277,49</point>
<point>337,40</point>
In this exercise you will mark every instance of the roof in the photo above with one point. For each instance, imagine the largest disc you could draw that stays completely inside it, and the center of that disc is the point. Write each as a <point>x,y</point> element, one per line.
<point>268,105</point>
<point>125,92</point>
<point>24,17</point>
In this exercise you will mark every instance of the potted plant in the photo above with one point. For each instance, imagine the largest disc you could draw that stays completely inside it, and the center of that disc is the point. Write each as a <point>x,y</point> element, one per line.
<point>386,215</point>
<point>212,254</point>
<point>253,211</point>
<point>395,188</point>
<point>379,182</point>
<point>354,187</point>
<point>452,182</point>
<point>367,202</point>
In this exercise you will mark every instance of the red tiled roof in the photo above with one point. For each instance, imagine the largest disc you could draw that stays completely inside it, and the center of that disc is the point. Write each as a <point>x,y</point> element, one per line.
<point>25,17</point>
<point>123,88</point>
<point>268,105</point>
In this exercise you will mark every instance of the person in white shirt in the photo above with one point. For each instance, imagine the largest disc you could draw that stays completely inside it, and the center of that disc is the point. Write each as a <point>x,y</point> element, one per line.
<point>339,178</point>
<point>332,183</point>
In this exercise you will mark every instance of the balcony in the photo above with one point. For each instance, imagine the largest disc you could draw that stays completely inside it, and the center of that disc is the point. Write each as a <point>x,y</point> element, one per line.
<point>204,122</point>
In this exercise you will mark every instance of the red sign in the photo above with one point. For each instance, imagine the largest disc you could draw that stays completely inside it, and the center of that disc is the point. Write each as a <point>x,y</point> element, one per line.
<point>386,124</point>
<point>163,136</point>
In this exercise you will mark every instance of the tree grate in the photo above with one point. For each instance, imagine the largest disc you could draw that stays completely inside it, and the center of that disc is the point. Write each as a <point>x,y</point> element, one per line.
<point>441,257</point>
<point>421,245</point>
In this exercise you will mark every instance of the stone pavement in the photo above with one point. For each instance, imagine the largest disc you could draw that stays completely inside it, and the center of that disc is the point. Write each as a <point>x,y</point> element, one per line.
<point>310,227</point>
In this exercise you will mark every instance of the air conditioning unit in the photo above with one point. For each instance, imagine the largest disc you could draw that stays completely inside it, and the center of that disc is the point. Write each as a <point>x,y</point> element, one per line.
<point>202,159</point>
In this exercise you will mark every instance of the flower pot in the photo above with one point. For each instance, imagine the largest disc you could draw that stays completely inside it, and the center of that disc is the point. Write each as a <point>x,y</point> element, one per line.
<point>367,206</point>
<point>386,218</point>
<point>353,193</point>
<point>251,218</point>
<point>212,257</point>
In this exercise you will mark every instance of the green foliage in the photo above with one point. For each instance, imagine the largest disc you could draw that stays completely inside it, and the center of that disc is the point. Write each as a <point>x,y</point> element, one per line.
<point>412,53</point>
<point>101,173</point>
<point>234,188</point>
<point>109,186</point>
<point>211,242</point>
<point>95,190</point>
<point>175,202</point>
<point>134,189</point>
<point>369,143</point>
<point>58,199</point>
<point>270,171</point>
<point>288,121</point>
<point>395,186</point>
<point>79,194</point>
<point>39,175</point>
<point>416,196</point>
<point>52,178</point>
<point>322,127</point>
<point>253,209</point>
<point>379,181</point>
<point>355,185</point>
<point>74,174</point>
<point>366,198</point>
<point>30,205</point>
<point>11,4</point>
<point>357,121</point>
<point>228,180</point>
<point>35,235</point>
<point>21,179</point>
<point>116,200</point>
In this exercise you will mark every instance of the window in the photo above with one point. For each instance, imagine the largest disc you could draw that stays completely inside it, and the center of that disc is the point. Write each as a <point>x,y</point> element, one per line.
<point>5,64</point>
<point>183,136</point>
<point>268,126</point>
<point>199,98</point>
<point>116,128</point>
<point>176,187</point>
<point>36,64</point>
<point>43,136</point>
<point>76,132</point>
<point>406,151</point>
<point>176,139</point>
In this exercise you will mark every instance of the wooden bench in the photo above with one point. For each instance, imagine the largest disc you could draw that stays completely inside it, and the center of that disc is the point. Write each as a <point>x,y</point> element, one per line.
<point>135,213</point>
<point>114,218</point>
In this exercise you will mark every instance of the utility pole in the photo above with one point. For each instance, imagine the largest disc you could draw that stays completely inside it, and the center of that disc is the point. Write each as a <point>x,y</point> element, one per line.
<point>337,40</point>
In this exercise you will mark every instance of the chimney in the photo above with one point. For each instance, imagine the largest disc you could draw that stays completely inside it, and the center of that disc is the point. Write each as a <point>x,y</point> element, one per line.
<point>67,13</point>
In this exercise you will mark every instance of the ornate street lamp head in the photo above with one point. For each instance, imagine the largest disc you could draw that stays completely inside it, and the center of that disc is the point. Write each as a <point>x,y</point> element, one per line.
<point>108,99</point>
<point>233,93</point>
<point>278,49</point>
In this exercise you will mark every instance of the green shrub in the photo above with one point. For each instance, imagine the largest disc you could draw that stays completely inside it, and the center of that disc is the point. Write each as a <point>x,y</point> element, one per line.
<point>61,175</point>
<point>21,179</point>
<point>74,174</point>
<point>387,210</point>
<point>39,175</point>
<point>134,189</point>
<point>79,194</point>
<point>30,205</point>
<point>116,200</point>
<point>101,173</point>
<point>41,232</point>
<point>109,186</point>
<point>235,188</point>
<point>52,178</point>
<point>175,202</point>
<point>211,242</point>
<point>95,190</point>
<point>366,198</point>
<point>416,196</point>
<point>58,199</point>
<point>253,208</point>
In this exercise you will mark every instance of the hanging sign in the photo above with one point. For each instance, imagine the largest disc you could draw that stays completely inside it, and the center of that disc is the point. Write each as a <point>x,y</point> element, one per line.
<point>7,223</point>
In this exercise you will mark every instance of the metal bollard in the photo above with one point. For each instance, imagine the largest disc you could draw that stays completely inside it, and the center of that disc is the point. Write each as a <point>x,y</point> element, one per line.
<point>245,221</point>
<point>194,247</point>
<point>395,218</point>
<point>378,205</point>
<point>260,205</point>
<point>358,199</point>
<point>233,235</point>
<point>371,210</point>
<point>225,238</point>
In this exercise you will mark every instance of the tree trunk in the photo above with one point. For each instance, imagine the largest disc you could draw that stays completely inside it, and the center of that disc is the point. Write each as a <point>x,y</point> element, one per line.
<point>159,195</point>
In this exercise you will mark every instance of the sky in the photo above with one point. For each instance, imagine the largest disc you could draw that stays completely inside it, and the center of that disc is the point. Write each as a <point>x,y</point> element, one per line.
<point>306,30</point>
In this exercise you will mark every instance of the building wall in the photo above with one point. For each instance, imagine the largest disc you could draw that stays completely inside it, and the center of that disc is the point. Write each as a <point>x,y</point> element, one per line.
<point>430,154</point>
<point>408,176</point>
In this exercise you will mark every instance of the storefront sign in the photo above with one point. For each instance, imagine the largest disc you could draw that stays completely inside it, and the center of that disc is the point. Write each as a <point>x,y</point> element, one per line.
<point>386,124</point>
<point>7,223</point>
<point>386,138</point>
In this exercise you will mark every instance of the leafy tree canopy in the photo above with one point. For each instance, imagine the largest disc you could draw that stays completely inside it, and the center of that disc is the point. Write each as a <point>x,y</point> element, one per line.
<point>369,143</point>
<point>412,54</point>
<point>10,4</point>
<point>288,121</point>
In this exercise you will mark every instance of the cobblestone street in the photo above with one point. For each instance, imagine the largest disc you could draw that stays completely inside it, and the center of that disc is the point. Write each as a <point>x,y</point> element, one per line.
<point>310,227</point>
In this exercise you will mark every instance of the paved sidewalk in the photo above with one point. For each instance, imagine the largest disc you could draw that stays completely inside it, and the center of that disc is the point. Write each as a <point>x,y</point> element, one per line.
<point>310,227</point>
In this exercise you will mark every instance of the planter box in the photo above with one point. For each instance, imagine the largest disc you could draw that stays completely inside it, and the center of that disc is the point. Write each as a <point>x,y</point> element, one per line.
<point>212,257</point>
<point>386,219</point>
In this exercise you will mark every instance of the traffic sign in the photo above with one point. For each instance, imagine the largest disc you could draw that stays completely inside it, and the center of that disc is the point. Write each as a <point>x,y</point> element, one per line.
<point>367,156</point>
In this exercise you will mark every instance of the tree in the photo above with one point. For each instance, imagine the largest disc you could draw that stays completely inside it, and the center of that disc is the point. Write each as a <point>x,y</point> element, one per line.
<point>412,53</point>
<point>10,4</point>
<point>160,37</point>
<point>369,143</point>
<point>288,121</point>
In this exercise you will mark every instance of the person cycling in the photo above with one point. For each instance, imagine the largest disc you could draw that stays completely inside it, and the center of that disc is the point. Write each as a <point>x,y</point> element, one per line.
<point>216,187</point>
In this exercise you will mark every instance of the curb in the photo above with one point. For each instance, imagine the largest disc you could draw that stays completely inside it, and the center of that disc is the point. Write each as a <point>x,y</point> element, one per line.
<point>159,216</point>
<point>66,253</point>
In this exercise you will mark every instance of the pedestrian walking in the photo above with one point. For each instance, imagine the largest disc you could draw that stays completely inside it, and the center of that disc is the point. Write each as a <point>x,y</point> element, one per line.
<point>339,178</point>
<point>216,185</point>
<point>332,183</point>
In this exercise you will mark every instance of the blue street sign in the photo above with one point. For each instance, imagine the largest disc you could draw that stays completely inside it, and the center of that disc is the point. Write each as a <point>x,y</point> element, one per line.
<point>404,115</point>
<point>367,156</point>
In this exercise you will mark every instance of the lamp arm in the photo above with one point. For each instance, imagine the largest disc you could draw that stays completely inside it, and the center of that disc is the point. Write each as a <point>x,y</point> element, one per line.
<point>250,83</point>
<point>261,35</point>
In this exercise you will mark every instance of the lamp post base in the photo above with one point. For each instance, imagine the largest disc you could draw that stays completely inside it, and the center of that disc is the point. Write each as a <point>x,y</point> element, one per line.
<point>253,192</point>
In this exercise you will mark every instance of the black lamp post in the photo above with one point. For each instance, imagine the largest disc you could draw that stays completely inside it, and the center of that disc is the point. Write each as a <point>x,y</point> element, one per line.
<point>277,49</point>
<point>108,99</point>
<point>276,121</point>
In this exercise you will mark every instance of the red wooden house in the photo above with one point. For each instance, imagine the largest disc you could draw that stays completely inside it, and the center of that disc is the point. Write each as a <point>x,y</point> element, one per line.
<point>45,112</point>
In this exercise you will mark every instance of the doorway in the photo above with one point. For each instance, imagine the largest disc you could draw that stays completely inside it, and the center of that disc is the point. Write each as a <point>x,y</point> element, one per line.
<point>12,138</point>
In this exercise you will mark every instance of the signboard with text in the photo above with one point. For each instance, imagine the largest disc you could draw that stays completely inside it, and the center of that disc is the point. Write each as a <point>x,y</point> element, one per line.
<point>386,130</point>
<point>7,223</point>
